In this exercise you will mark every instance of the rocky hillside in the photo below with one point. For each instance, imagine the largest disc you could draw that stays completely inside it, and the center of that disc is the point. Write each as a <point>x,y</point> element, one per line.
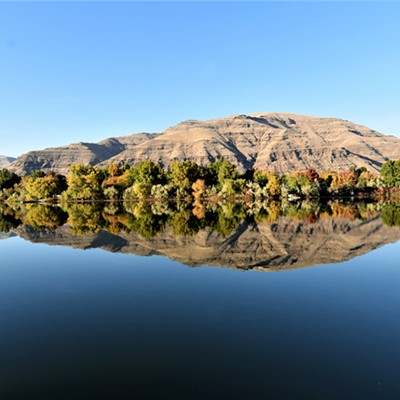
<point>283,142</point>
<point>4,161</point>
<point>286,244</point>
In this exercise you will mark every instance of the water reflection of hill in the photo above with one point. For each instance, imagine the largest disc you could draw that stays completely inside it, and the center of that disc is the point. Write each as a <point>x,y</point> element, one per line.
<point>284,244</point>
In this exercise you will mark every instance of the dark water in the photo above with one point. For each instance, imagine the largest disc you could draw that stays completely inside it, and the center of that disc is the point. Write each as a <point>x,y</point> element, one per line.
<point>95,324</point>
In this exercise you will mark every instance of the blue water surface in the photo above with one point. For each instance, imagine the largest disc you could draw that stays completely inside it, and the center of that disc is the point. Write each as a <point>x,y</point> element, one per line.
<point>90,324</point>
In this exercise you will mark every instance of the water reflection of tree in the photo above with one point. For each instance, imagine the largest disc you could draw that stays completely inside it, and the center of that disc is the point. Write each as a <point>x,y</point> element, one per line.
<point>270,212</point>
<point>41,216</point>
<point>226,218</point>
<point>344,210</point>
<point>185,223</point>
<point>302,210</point>
<point>391,214</point>
<point>85,217</point>
<point>8,219</point>
<point>142,220</point>
<point>185,219</point>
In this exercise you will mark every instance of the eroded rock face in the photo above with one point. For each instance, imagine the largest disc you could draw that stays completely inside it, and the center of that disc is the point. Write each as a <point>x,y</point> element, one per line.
<point>286,244</point>
<point>5,161</point>
<point>278,141</point>
<point>59,159</point>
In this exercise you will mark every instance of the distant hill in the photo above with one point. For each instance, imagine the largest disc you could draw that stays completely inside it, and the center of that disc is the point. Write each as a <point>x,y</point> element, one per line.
<point>278,141</point>
<point>4,161</point>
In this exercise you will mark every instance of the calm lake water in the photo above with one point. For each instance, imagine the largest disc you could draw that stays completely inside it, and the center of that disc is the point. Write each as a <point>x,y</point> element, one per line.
<point>109,323</point>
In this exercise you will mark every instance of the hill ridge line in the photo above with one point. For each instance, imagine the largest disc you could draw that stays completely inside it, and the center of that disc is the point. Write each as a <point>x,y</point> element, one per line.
<point>283,142</point>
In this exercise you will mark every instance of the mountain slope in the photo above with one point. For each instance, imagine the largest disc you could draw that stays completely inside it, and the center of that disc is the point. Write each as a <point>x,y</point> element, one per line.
<point>279,141</point>
<point>4,161</point>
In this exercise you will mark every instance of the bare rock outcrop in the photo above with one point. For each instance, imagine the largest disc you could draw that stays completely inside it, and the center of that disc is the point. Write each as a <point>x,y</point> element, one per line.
<point>278,141</point>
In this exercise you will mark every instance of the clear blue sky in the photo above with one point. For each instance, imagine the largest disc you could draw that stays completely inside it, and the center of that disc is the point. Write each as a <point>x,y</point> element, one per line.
<point>86,71</point>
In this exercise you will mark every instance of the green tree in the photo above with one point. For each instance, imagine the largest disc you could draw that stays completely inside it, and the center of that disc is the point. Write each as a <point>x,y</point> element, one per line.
<point>366,180</point>
<point>390,172</point>
<point>226,170</point>
<point>230,187</point>
<point>220,170</point>
<point>37,174</point>
<point>46,187</point>
<point>260,177</point>
<point>139,190</point>
<point>147,172</point>
<point>183,174</point>
<point>84,183</point>
<point>8,179</point>
<point>141,178</point>
<point>269,180</point>
<point>296,183</point>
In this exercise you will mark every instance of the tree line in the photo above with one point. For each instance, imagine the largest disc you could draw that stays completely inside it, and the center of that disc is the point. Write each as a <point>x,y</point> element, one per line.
<point>188,180</point>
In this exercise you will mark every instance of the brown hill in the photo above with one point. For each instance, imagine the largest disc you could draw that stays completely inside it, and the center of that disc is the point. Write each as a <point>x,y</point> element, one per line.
<point>283,142</point>
<point>5,161</point>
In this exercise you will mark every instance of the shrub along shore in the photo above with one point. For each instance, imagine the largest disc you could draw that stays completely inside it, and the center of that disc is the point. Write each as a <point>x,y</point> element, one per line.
<point>186,180</point>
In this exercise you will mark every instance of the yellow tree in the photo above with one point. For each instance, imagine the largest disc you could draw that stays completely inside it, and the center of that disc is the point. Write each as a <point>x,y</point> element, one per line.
<point>84,182</point>
<point>46,187</point>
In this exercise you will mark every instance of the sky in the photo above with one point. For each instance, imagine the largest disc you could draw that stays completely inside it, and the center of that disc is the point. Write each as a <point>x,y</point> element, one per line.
<point>72,72</point>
